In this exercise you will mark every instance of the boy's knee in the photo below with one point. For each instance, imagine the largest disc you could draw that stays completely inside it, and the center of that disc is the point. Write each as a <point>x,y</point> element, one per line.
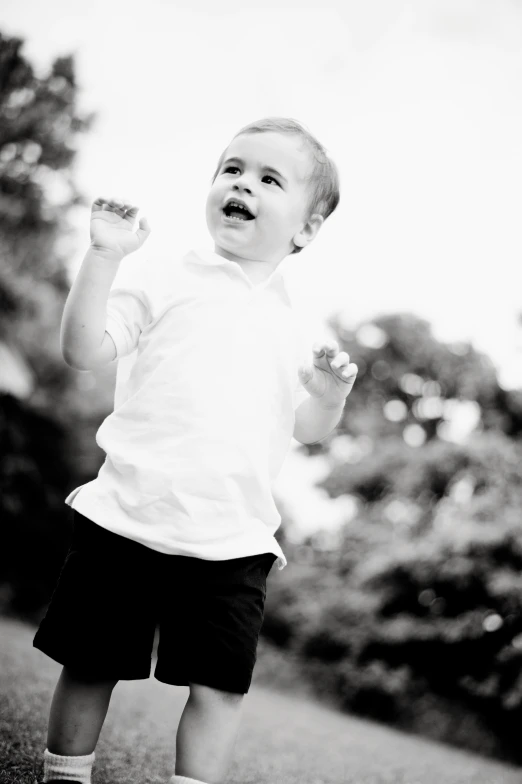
<point>208,694</point>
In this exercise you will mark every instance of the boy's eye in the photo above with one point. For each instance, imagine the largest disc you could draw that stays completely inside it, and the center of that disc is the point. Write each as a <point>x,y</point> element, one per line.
<point>233,169</point>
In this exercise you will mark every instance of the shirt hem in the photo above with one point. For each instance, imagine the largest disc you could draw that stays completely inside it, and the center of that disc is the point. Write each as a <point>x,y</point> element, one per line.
<point>70,500</point>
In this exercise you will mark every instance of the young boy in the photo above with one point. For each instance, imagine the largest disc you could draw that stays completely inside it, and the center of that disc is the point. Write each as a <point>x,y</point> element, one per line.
<point>177,530</point>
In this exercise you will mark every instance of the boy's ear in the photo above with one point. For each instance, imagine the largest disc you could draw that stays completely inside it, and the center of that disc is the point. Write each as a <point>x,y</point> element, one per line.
<point>309,230</point>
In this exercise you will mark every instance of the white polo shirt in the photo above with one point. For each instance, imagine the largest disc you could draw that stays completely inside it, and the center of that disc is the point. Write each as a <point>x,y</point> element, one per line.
<point>204,409</point>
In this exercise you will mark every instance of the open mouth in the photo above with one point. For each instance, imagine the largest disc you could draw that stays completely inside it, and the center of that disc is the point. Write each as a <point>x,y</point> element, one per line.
<point>237,211</point>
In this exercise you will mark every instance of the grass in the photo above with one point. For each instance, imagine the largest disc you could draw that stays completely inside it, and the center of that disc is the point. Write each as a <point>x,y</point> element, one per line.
<point>285,737</point>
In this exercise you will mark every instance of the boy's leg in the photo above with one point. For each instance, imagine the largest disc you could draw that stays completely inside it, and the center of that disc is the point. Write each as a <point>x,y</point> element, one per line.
<point>100,623</point>
<point>206,733</point>
<point>210,637</point>
<point>78,710</point>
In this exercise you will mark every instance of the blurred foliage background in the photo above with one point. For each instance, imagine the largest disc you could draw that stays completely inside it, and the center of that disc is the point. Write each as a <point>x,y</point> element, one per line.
<point>410,612</point>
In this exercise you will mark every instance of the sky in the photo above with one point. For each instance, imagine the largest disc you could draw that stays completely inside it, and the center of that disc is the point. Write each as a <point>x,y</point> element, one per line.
<point>418,103</point>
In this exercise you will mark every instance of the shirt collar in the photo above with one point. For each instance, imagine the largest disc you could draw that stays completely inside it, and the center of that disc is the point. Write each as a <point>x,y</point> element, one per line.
<point>207,256</point>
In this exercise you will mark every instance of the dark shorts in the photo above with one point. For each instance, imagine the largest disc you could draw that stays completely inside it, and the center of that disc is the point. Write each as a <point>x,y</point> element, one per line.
<point>113,592</point>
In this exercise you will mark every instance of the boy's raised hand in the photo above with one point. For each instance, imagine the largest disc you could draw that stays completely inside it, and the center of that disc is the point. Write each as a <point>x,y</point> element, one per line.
<point>331,376</point>
<point>112,227</point>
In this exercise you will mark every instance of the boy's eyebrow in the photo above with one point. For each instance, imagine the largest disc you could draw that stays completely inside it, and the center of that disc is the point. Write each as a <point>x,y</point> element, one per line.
<point>266,168</point>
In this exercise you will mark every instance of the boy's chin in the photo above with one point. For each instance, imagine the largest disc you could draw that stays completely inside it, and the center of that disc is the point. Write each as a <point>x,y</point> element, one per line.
<point>238,246</point>
<point>233,243</point>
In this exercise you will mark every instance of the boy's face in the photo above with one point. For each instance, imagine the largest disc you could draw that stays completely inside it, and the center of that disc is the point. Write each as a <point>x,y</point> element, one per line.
<point>267,173</point>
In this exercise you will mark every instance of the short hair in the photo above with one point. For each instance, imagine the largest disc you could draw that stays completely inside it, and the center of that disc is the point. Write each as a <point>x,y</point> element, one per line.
<point>323,180</point>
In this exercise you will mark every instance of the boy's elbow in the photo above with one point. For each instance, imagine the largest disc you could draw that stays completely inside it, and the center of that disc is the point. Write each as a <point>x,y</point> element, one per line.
<point>72,361</point>
<point>90,360</point>
<point>69,353</point>
<point>76,361</point>
<point>68,356</point>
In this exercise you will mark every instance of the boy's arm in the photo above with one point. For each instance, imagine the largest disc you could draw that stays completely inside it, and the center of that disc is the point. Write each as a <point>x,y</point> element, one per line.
<point>313,422</point>
<point>328,380</point>
<point>85,343</point>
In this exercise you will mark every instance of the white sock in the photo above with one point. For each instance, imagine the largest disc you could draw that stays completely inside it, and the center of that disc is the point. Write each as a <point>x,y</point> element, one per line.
<point>184,780</point>
<point>69,768</point>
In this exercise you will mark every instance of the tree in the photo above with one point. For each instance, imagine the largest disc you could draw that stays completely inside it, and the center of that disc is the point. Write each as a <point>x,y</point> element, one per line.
<point>401,362</point>
<point>411,612</point>
<point>39,124</point>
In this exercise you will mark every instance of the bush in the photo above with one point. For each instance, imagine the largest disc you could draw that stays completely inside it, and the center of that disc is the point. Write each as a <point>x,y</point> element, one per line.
<point>421,627</point>
<point>35,531</point>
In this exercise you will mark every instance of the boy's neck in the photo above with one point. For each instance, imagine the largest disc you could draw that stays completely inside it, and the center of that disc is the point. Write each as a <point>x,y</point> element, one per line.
<point>256,271</point>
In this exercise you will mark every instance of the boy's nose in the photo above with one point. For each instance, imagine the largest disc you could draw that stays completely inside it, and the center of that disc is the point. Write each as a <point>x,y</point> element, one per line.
<point>243,185</point>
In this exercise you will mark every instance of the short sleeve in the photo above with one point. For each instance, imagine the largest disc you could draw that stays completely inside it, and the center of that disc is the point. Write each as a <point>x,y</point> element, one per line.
<point>128,314</point>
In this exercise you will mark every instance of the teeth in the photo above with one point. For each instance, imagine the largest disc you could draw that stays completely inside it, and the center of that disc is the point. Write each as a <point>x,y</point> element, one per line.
<point>239,206</point>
